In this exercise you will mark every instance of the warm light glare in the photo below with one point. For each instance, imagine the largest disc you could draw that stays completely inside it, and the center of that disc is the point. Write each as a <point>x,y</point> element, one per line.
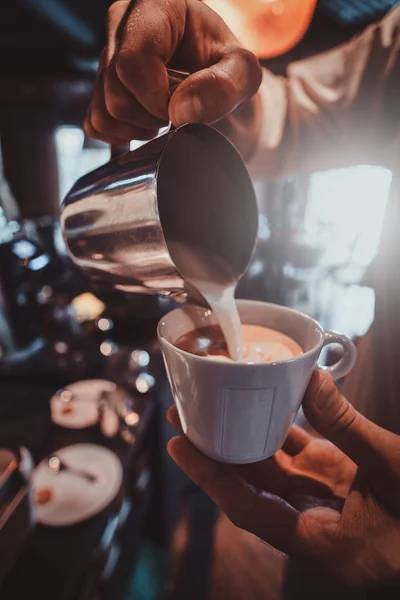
<point>66,396</point>
<point>266,27</point>
<point>104,324</point>
<point>144,382</point>
<point>132,419</point>
<point>345,212</point>
<point>278,9</point>
<point>54,463</point>
<point>107,348</point>
<point>344,217</point>
<point>87,307</point>
<point>61,347</point>
<point>140,357</point>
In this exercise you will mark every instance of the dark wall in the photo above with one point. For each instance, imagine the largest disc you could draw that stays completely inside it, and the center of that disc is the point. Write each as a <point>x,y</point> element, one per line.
<point>45,33</point>
<point>48,33</point>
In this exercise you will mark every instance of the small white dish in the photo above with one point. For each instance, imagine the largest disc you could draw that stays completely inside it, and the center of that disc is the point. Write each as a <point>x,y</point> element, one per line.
<point>83,410</point>
<point>73,498</point>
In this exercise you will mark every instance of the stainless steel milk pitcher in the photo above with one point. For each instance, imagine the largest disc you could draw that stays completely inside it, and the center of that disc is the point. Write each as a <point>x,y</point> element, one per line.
<point>189,185</point>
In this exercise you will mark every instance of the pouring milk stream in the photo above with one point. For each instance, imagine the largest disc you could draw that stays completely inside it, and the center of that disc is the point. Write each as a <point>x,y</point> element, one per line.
<point>214,280</point>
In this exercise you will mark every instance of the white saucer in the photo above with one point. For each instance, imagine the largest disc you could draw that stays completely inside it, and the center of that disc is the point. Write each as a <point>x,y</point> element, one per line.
<point>84,406</point>
<point>74,499</point>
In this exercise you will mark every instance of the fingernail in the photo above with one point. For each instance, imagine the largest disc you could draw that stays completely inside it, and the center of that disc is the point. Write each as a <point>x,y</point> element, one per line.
<point>189,109</point>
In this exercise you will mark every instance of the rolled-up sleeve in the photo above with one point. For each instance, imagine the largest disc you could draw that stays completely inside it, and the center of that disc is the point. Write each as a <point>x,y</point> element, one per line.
<point>335,109</point>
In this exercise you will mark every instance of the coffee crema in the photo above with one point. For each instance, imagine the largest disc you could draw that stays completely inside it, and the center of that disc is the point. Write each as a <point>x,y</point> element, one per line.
<point>260,344</point>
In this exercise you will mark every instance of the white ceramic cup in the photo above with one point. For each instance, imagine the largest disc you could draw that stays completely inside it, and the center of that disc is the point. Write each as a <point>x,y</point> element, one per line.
<point>236,412</point>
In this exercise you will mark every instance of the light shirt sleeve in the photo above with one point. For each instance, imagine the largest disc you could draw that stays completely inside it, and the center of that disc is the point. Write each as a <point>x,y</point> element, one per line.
<point>335,109</point>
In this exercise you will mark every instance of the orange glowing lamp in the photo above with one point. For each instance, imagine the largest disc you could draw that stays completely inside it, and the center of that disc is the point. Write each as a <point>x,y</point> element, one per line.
<point>266,27</point>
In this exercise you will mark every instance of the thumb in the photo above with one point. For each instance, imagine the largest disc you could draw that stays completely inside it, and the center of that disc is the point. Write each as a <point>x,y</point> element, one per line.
<point>213,93</point>
<point>369,446</point>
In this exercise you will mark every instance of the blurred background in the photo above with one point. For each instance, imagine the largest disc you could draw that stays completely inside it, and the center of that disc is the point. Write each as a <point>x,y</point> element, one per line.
<point>318,236</point>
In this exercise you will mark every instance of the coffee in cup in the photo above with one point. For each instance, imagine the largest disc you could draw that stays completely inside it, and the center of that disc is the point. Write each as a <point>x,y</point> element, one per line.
<point>260,344</point>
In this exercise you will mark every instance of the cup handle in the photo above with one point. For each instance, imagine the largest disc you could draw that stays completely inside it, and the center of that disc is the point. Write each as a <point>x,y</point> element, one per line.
<point>347,362</point>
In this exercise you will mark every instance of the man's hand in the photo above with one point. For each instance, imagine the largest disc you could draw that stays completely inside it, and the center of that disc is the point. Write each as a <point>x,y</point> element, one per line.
<point>336,503</point>
<point>132,100</point>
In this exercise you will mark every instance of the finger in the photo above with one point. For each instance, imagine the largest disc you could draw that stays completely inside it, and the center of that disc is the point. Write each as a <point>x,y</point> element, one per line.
<point>146,78</point>
<point>261,513</point>
<point>91,132</point>
<point>173,418</point>
<point>129,56</point>
<point>103,128</point>
<point>211,94</point>
<point>105,124</point>
<point>123,106</point>
<point>141,58</point>
<point>296,441</point>
<point>120,102</point>
<point>368,445</point>
<point>117,13</point>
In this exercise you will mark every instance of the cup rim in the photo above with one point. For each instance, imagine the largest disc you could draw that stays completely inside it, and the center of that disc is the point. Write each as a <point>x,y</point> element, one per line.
<point>229,364</point>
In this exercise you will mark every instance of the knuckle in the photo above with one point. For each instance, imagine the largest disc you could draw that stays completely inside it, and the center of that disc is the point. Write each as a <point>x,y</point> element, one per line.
<point>249,58</point>
<point>99,121</point>
<point>125,60</point>
<point>149,44</point>
<point>115,107</point>
<point>115,9</point>
<point>343,414</point>
<point>337,413</point>
<point>87,128</point>
<point>129,58</point>
<point>252,67</point>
